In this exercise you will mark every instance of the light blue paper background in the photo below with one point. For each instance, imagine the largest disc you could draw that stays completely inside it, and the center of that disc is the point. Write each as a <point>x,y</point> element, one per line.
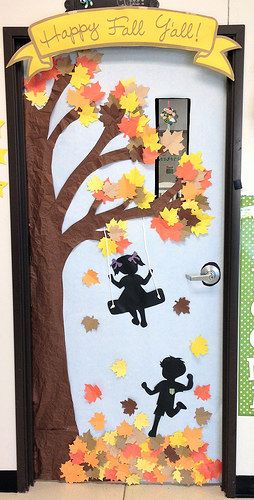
<point>168,73</point>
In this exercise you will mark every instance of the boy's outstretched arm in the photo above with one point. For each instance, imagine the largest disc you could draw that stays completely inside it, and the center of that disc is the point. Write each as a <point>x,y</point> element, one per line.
<point>182,388</point>
<point>150,391</point>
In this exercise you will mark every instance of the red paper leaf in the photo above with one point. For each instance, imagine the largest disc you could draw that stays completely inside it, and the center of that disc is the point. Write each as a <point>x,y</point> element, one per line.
<point>77,458</point>
<point>206,182</point>
<point>93,92</point>
<point>110,474</point>
<point>165,231</point>
<point>38,82</point>
<point>203,392</point>
<point>150,477</point>
<point>90,64</point>
<point>149,156</point>
<point>132,450</point>
<point>129,126</point>
<point>101,196</point>
<point>122,245</point>
<point>92,393</point>
<point>186,172</point>
<point>119,91</point>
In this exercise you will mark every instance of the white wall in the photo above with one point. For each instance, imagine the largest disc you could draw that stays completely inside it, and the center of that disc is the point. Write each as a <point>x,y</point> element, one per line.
<point>23,13</point>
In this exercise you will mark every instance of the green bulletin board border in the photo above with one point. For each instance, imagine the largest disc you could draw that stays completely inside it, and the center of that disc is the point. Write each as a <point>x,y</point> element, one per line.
<point>246,386</point>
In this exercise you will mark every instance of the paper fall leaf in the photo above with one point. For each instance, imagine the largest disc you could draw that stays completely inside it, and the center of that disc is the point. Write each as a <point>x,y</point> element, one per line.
<point>165,231</point>
<point>129,406</point>
<point>172,142</point>
<point>125,188</point>
<point>87,115</point>
<point>74,98</point>
<point>95,184</point>
<point>2,186</point>
<point>119,368</point>
<point>135,177</point>
<point>2,156</point>
<point>98,421</point>
<point>141,420</point>
<point>90,278</point>
<point>107,246</point>
<point>92,393</point>
<point>193,437</point>
<point>199,346</point>
<point>79,76</point>
<point>203,392</point>
<point>39,99</point>
<point>182,306</point>
<point>90,323</point>
<point>93,92</point>
<point>202,416</point>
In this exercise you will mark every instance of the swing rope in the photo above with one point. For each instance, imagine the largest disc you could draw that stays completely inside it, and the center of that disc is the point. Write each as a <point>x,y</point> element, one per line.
<point>109,270</point>
<point>148,259</point>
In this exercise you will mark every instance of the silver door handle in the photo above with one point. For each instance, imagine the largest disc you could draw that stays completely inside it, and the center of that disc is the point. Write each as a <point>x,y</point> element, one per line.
<point>209,275</point>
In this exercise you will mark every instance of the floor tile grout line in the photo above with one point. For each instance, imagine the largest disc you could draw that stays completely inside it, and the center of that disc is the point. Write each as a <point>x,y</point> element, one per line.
<point>124,491</point>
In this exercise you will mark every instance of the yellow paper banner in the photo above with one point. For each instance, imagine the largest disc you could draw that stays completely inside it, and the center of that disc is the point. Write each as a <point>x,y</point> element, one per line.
<point>125,26</point>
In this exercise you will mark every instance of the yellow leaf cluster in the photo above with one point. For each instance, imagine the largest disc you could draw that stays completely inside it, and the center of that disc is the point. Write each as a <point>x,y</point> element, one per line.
<point>80,76</point>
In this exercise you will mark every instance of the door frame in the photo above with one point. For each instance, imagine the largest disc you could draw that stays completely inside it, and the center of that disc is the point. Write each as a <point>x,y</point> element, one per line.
<point>14,38</point>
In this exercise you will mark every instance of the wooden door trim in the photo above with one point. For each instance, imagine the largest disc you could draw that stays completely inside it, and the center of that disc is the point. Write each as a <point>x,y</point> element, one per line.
<point>14,38</point>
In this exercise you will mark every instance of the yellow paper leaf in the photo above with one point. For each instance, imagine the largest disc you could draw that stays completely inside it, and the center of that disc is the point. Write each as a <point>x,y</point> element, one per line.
<point>147,200</point>
<point>143,121</point>
<point>87,115</point>
<point>202,226</point>
<point>151,139</point>
<point>170,216</point>
<point>145,465</point>
<point>98,421</point>
<point>80,76</point>
<point>39,99</point>
<point>129,102</point>
<point>199,479</point>
<point>199,346</point>
<point>122,224</point>
<point>110,437</point>
<point>119,368</point>
<point>195,159</point>
<point>2,122</point>
<point>107,246</point>
<point>133,479</point>
<point>141,420</point>
<point>177,476</point>
<point>127,83</point>
<point>135,177</point>
<point>95,184</point>
<point>90,278</point>
<point>2,156</point>
<point>177,439</point>
<point>2,186</point>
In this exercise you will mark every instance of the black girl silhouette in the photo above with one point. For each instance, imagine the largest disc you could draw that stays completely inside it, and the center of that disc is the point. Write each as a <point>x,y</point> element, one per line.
<point>134,298</point>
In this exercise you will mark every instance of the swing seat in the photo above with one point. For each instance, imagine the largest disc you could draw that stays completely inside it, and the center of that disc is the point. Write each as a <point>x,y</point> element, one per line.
<point>151,299</point>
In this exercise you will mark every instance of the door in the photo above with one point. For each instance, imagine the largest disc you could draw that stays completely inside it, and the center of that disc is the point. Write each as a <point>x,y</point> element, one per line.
<point>127,287</point>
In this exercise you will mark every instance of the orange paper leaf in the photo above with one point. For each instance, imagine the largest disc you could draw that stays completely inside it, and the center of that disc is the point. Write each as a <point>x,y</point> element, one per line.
<point>98,421</point>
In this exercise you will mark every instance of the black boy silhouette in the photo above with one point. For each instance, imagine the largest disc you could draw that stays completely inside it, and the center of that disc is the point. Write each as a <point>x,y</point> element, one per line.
<point>134,298</point>
<point>172,368</point>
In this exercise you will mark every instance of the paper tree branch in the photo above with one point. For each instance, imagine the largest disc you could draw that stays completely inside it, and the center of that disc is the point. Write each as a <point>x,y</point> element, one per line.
<point>89,226</point>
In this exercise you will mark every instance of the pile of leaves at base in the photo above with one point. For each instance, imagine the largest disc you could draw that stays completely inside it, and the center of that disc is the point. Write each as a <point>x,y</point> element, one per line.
<point>127,455</point>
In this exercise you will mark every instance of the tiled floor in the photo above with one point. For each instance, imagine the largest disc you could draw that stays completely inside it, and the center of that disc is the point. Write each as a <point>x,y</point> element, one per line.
<point>59,491</point>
